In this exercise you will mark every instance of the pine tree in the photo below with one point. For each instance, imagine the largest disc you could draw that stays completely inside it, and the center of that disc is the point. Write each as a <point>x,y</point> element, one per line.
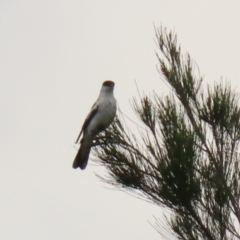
<point>187,158</point>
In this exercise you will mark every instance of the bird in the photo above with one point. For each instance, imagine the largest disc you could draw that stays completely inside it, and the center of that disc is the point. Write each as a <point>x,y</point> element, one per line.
<point>100,118</point>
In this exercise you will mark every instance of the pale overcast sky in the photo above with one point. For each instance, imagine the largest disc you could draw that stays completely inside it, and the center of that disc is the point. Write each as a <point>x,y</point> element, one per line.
<point>54,56</point>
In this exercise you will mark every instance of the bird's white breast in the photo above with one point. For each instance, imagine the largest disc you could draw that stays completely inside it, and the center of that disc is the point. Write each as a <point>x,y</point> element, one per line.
<point>105,114</point>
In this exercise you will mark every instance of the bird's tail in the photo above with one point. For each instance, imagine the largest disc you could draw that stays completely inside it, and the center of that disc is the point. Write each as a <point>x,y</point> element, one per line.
<point>81,158</point>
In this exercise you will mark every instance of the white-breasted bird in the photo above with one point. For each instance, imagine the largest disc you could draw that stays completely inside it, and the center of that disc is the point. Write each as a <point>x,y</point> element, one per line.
<point>100,117</point>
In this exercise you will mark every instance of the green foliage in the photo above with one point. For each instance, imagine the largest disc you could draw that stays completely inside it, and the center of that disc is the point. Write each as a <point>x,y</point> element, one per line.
<point>187,159</point>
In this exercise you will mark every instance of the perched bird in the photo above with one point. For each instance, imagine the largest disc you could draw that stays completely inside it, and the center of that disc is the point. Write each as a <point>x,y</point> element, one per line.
<point>100,117</point>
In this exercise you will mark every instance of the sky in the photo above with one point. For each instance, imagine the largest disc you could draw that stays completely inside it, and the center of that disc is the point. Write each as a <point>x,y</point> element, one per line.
<point>54,56</point>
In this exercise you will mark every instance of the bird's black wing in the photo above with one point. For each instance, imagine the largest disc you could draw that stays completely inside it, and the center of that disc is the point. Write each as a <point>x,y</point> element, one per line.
<point>88,119</point>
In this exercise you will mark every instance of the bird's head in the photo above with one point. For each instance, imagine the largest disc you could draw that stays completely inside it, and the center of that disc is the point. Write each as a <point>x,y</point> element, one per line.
<point>108,86</point>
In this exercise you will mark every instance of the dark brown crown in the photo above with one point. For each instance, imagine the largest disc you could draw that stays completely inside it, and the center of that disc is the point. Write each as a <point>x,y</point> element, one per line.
<point>108,83</point>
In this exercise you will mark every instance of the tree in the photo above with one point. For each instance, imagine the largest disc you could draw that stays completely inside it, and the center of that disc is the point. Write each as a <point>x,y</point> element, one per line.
<point>187,159</point>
